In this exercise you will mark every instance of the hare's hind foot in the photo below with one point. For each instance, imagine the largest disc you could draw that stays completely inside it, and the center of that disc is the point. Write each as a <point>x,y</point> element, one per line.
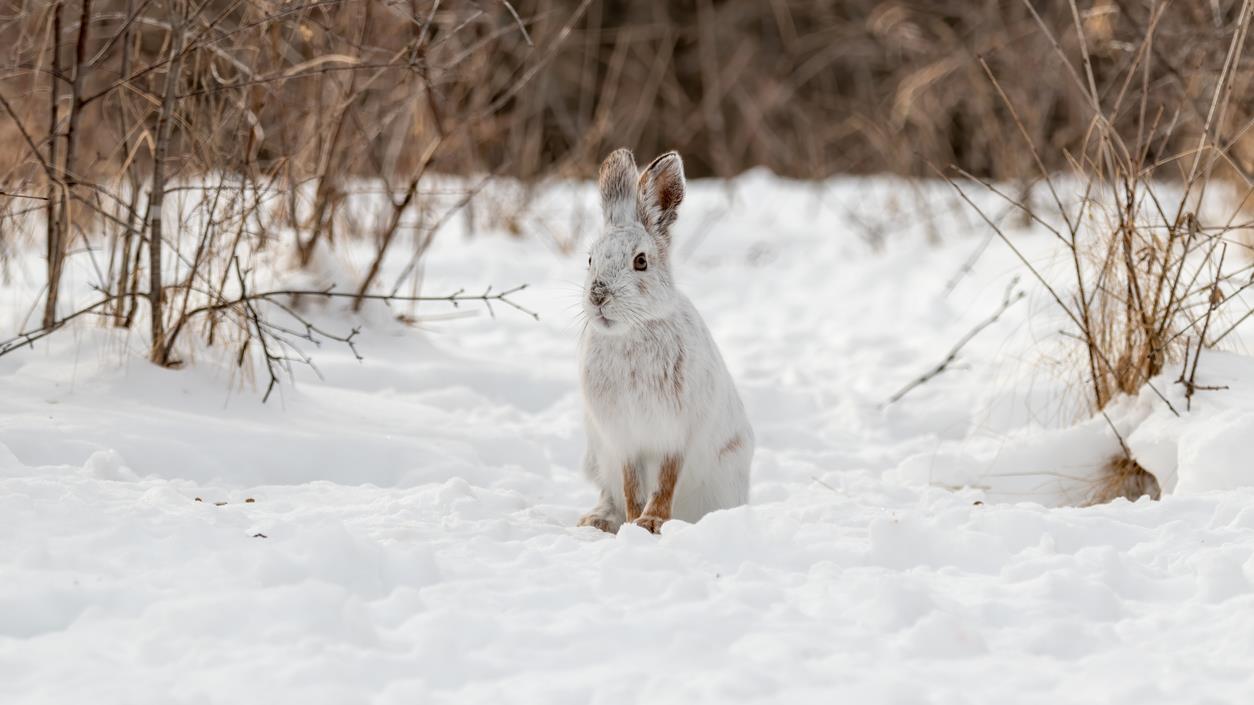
<point>605,516</point>
<point>598,521</point>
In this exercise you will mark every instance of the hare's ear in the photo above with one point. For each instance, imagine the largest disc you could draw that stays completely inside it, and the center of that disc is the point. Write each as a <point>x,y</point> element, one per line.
<point>618,198</point>
<point>659,193</point>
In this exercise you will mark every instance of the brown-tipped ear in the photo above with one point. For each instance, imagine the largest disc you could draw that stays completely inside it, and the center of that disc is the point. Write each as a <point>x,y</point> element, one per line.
<point>659,193</point>
<point>618,195</point>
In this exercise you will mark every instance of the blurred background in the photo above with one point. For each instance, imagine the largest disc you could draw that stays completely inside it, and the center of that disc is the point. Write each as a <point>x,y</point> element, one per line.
<point>531,89</point>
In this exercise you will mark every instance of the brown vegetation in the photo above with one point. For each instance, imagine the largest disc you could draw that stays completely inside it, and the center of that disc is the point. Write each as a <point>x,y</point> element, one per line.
<point>1147,280</point>
<point>173,141</point>
<point>550,86</point>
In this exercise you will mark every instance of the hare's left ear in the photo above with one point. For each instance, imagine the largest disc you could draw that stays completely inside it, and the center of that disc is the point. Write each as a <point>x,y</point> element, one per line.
<point>658,195</point>
<point>614,182</point>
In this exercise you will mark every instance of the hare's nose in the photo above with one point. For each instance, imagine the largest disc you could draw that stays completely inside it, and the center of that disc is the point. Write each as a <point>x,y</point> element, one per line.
<point>598,293</point>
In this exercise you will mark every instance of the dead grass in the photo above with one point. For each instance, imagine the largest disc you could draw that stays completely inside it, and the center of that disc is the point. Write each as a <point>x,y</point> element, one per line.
<point>160,151</point>
<point>1150,275</point>
<point>1124,478</point>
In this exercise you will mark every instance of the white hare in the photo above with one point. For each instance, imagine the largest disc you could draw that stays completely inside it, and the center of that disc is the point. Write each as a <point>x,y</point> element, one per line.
<point>667,433</point>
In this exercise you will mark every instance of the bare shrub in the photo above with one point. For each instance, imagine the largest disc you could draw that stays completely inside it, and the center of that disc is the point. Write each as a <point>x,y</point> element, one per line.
<point>1124,478</point>
<point>1149,279</point>
<point>175,156</point>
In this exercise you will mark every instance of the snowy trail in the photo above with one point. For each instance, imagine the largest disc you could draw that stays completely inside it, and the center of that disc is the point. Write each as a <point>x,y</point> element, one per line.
<point>418,508</point>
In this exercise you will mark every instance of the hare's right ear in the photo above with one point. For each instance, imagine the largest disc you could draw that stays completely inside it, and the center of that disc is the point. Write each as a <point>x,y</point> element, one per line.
<point>618,187</point>
<point>658,195</point>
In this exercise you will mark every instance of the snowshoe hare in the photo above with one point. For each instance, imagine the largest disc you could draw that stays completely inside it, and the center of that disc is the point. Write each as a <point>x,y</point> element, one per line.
<point>667,434</point>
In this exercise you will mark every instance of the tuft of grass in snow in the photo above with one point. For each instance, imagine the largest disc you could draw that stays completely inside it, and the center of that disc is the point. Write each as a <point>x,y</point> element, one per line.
<point>1124,478</point>
<point>1149,282</point>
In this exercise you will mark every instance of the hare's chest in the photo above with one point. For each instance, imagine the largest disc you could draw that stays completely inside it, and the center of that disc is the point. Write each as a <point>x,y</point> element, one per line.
<point>635,392</point>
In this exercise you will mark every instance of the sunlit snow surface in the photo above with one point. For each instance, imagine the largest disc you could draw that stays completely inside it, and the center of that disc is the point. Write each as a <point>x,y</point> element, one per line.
<point>411,537</point>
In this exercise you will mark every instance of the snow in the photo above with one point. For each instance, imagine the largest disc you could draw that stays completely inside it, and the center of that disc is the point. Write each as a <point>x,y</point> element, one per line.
<point>402,530</point>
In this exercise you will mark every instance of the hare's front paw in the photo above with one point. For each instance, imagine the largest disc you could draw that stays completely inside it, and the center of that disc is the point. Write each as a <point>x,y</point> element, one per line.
<point>651,522</point>
<point>600,521</point>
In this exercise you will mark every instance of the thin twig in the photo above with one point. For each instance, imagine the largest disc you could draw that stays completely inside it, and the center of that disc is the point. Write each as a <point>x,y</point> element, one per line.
<point>1009,299</point>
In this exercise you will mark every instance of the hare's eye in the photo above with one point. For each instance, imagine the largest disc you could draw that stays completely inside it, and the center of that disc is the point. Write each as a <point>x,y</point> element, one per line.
<point>641,263</point>
<point>589,260</point>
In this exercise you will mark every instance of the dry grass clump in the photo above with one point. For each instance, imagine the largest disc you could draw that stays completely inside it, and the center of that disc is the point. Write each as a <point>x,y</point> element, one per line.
<point>1150,276</point>
<point>1123,478</point>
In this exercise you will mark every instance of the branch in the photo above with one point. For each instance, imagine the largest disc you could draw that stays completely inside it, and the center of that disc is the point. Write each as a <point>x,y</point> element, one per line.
<point>1011,297</point>
<point>27,338</point>
<point>455,298</point>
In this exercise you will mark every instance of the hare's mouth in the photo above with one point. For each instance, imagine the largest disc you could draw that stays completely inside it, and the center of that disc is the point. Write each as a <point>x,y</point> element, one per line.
<point>601,319</point>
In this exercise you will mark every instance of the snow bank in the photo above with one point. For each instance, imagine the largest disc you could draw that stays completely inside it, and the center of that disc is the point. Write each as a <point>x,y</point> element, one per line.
<point>402,530</point>
<point>1205,447</point>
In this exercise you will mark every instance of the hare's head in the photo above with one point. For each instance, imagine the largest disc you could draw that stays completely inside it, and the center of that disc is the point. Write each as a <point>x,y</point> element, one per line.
<point>629,274</point>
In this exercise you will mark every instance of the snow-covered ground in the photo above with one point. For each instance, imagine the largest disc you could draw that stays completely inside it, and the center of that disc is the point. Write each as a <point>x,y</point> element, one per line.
<point>402,530</point>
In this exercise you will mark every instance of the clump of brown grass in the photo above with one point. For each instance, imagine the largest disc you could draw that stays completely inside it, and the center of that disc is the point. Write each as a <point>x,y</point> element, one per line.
<point>1147,280</point>
<point>1124,478</point>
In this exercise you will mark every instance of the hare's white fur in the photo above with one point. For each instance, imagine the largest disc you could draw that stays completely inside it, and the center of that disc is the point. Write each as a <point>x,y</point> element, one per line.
<point>654,385</point>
